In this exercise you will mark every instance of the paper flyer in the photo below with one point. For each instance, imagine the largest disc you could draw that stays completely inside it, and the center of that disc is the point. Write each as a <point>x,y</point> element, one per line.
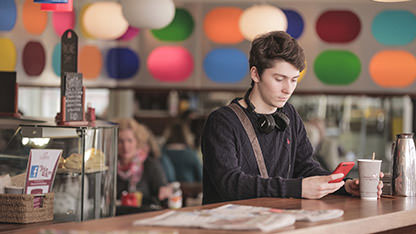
<point>41,169</point>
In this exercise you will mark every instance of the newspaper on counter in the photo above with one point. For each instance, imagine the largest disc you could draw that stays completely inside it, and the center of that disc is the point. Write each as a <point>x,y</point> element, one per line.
<point>238,217</point>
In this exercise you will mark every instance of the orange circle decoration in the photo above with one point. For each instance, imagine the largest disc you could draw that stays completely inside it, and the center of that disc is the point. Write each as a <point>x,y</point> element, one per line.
<point>90,62</point>
<point>221,25</point>
<point>34,20</point>
<point>393,68</point>
<point>8,55</point>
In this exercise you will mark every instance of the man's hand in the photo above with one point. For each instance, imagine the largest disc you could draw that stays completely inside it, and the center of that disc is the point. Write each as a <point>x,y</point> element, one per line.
<point>353,186</point>
<point>316,187</point>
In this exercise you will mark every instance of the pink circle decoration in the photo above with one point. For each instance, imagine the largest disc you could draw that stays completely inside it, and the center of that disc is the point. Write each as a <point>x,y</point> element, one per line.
<point>129,34</point>
<point>63,21</point>
<point>170,64</point>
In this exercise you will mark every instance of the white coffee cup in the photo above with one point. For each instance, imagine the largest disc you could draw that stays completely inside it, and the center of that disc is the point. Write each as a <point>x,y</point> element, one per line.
<point>369,174</point>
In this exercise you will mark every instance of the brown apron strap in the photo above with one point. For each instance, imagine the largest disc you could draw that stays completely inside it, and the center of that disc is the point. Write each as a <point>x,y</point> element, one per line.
<point>253,138</point>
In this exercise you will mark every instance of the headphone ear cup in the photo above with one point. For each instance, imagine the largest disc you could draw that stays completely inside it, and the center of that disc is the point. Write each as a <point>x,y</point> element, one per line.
<point>281,120</point>
<point>266,123</point>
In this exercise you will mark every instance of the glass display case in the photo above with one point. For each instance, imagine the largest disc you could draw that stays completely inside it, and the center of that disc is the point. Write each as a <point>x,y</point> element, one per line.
<point>85,180</point>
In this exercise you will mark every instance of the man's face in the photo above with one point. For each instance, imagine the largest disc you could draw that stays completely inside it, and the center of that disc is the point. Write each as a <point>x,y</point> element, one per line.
<point>277,83</point>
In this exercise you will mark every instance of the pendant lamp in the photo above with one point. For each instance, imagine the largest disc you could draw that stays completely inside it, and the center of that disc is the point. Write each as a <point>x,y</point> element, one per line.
<point>260,19</point>
<point>104,20</point>
<point>150,14</point>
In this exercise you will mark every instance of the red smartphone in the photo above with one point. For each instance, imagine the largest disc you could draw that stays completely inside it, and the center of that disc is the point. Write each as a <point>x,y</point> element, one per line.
<point>344,168</point>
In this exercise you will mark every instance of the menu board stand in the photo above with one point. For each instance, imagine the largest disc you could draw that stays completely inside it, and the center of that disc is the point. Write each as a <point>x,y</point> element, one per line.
<point>8,94</point>
<point>72,91</point>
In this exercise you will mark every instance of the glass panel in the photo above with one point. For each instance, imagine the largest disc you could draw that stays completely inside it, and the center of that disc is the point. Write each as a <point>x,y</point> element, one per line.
<point>346,128</point>
<point>100,161</point>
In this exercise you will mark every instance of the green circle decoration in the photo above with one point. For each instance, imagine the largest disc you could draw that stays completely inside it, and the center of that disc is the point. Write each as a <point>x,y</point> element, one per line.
<point>179,29</point>
<point>337,67</point>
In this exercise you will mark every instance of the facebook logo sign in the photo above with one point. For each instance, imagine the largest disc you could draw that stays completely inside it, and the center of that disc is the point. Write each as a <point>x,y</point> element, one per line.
<point>34,171</point>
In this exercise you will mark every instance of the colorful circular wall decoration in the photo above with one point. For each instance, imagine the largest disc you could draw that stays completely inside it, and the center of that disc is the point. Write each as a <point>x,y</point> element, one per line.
<point>338,26</point>
<point>81,22</point>
<point>170,64</point>
<point>226,65</point>
<point>303,72</point>
<point>90,62</point>
<point>56,59</point>
<point>122,63</point>
<point>179,29</point>
<point>148,14</point>
<point>63,21</point>
<point>34,20</point>
<point>337,67</point>
<point>221,25</point>
<point>393,68</point>
<point>104,20</point>
<point>34,58</point>
<point>129,34</point>
<point>7,55</point>
<point>259,19</point>
<point>295,23</point>
<point>8,14</point>
<point>394,27</point>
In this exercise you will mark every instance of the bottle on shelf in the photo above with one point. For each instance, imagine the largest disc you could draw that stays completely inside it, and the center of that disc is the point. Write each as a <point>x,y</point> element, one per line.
<point>175,200</point>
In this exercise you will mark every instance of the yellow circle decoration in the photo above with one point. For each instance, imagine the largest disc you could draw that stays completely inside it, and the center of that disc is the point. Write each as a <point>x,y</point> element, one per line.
<point>7,55</point>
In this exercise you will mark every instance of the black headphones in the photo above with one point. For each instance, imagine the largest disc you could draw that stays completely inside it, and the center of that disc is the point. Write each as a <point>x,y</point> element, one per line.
<point>267,122</point>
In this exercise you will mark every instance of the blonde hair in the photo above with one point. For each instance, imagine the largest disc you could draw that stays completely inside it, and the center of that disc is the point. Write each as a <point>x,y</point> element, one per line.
<point>139,130</point>
<point>143,135</point>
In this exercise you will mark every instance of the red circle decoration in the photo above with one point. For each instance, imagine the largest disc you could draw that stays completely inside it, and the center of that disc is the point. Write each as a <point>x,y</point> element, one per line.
<point>34,58</point>
<point>338,26</point>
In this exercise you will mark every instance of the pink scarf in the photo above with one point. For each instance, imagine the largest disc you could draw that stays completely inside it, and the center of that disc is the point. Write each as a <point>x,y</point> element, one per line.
<point>132,171</point>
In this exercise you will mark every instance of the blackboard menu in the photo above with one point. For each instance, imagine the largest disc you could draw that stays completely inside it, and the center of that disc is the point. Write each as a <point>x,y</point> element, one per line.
<point>73,92</point>
<point>8,94</point>
<point>69,51</point>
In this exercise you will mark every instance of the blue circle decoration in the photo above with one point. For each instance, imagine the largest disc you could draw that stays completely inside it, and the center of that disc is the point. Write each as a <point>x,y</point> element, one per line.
<point>394,27</point>
<point>56,59</point>
<point>122,63</point>
<point>226,65</point>
<point>8,14</point>
<point>295,23</point>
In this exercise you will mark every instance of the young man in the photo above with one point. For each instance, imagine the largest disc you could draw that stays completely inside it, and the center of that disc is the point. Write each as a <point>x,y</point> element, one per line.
<point>230,170</point>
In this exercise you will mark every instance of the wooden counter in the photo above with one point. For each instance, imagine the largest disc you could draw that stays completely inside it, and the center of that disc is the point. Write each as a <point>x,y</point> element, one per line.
<point>360,216</point>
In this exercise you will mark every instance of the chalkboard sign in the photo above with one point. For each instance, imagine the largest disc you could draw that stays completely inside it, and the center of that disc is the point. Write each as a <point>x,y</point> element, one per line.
<point>73,92</point>
<point>8,93</point>
<point>69,55</point>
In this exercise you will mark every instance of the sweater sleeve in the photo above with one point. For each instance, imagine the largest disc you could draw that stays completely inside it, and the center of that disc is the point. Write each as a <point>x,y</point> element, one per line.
<point>222,170</point>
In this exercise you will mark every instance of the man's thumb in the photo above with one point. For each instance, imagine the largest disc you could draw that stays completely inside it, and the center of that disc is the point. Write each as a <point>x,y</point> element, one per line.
<point>335,176</point>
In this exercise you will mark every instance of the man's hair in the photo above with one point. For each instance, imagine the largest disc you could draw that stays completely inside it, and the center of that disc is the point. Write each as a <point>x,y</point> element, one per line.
<point>272,46</point>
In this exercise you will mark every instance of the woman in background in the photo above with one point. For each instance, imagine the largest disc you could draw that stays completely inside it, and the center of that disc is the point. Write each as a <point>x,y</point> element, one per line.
<point>138,169</point>
<point>184,159</point>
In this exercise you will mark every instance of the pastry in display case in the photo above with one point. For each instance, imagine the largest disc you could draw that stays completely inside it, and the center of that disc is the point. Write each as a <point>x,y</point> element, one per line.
<point>84,186</point>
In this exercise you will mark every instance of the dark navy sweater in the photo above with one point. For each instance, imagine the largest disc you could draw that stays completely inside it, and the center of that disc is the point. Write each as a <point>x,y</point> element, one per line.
<point>230,169</point>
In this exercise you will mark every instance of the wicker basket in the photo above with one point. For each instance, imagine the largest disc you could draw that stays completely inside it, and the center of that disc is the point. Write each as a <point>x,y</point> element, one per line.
<point>18,208</point>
